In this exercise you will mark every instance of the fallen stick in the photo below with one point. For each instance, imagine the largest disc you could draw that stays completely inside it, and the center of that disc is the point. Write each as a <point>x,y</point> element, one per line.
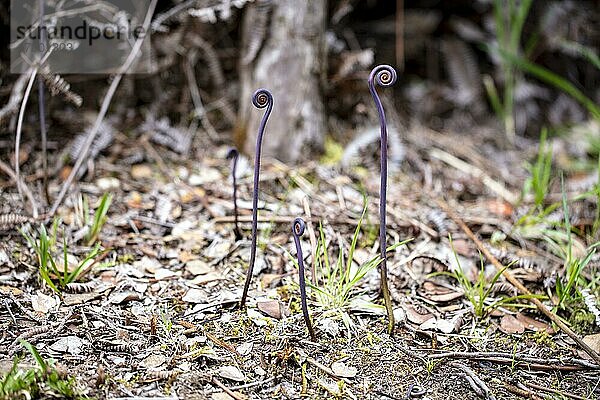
<point>479,355</point>
<point>226,389</point>
<point>515,282</point>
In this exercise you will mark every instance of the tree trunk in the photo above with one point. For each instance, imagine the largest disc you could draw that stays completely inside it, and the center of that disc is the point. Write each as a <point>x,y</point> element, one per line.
<point>284,52</point>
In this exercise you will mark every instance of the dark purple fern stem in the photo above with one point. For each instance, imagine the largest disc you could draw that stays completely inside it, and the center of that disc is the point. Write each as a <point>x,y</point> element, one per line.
<point>298,230</point>
<point>233,154</point>
<point>384,76</point>
<point>262,98</point>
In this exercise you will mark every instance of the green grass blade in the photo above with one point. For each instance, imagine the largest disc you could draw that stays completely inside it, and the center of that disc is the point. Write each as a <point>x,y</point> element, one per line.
<point>553,79</point>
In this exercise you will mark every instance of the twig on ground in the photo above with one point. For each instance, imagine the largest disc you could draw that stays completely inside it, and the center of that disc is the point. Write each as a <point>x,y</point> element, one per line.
<point>480,355</point>
<point>521,392</point>
<point>222,343</point>
<point>476,383</point>
<point>550,390</point>
<point>226,389</point>
<point>280,219</point>
<point>251,384</point>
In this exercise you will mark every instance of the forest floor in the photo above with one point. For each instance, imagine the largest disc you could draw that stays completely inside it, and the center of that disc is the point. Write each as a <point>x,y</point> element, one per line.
<point>156,313</point>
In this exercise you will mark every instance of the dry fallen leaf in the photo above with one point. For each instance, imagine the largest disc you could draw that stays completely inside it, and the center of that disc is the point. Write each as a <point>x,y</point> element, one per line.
<point>245,348</point>
<point>231,372</point>
<point>341,370</point>
<point>415,316</point>
<point>206,278</point>
<point>153,361</point>
<point>5,290</point>
<point>593,341</point>
<point>164,273</point>
<point>42,303</point>
<point>500,207</point>
<point>429,325</point>
<point>446,297</point>
<point>509,324</point>
<point>533,324</point>
<point>225,396</point>
<point>123,297</point>
<point>198,267</point>
<point>270,280</point>
<point>272,308</point>
<point>69,344</point>
<point>195,296</point>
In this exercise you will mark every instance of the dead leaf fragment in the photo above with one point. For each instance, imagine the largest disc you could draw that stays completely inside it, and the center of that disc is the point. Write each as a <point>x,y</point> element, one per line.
<point>198,267</point>
<point>69,344</point>
<point>446,297</point>
<point>509,324</point>
<point>207,278</point>
<point>42,303</point>
<point>123,297</point>
<point>225,396</point>
<point>108,183</point>
<point>342,370</point>
<point>415,316</point>
<point>245,348</point>
<point>272,308</point>
<point>593,341</point>
<point>164,273</point>
<point>231,372</point>
<point>429,325</point>
<point>79,298</point>
<point>196,296</point>
<point>533,324</point>
<point>154,361</point>
<point>9,290</point>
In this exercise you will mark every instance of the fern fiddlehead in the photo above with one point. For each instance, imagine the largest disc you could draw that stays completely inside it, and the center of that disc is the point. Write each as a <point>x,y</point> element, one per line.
<point>384,76</point>
<point>262,98</point>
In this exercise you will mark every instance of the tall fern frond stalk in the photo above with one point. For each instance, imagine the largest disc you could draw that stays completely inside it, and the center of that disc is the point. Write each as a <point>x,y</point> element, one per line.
<point>262,98</point>
<point>298,228</point>
<point>384,76</point>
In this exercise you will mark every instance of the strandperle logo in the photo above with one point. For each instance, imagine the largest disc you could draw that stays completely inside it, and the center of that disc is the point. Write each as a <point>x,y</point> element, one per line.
<point>85,32</point>
<point>79,37</point>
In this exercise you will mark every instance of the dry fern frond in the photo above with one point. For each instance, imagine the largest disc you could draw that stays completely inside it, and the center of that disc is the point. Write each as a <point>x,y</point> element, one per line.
<point>163,133</point>
<point>507,258</point>
<point>221,10</point>
<point>212,59</point>
<point>440,221</point>
<point>57,85</point>
<point>12,220</point>
<point>103,139</point>
<point>222,7</point>
<point>76,287</point>
<point>463,72</point>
